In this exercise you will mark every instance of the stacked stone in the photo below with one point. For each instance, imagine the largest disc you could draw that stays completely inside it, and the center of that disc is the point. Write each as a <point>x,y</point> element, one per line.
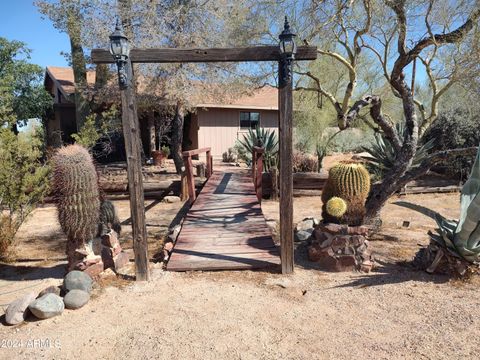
<point>341,248</point>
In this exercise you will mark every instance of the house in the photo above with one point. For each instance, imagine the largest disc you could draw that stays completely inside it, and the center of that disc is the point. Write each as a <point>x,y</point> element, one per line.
<point>211,124</point>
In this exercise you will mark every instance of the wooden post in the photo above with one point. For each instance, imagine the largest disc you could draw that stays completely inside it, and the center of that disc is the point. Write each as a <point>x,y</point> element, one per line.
<point>285,107</point>
<point>259,171</point>
<point>184,187</point>
<point>131,133</point>
<point>274,176</point>
<point>254,164</point>
<point>209,164</point>
<point>187,160</point>
<point>201,172</point>
<point>152,133</point>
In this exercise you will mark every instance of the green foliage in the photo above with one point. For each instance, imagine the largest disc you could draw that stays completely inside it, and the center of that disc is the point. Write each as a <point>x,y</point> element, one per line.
<point>462,238</point>
<point>165,150</point>
<point>23,181</point>
<point>75,187</point>
<point>382,155</point>
<point>22,94</point>
<point>454,129</point>
<point>261,137</point>
<point>350,182</point>
<point>98,127</point>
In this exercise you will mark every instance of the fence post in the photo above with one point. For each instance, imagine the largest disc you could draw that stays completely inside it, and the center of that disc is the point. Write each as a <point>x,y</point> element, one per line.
<point>187,160</point>
<point>184,187</point>
<point>258,170</point>
<point>209,164</point>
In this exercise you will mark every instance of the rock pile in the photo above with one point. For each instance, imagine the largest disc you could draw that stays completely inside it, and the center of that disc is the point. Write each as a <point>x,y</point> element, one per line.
<point>341,248</point>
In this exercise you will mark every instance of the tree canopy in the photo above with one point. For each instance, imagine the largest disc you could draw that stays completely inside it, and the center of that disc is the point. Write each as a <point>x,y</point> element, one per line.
<point>22,94</point>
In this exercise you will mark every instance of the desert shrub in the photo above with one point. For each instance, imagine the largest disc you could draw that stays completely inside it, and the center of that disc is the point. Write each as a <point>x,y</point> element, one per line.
<point>230,156</point>
<point>382,155</point>
<point>23,182</point>
<point>455,129</point>
<point>267,139</point>
<point>304,162</point>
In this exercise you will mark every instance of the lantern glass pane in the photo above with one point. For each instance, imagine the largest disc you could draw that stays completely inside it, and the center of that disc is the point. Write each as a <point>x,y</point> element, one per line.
<point>289,46</point>
<point>125,47</point>
<point>116,47</point>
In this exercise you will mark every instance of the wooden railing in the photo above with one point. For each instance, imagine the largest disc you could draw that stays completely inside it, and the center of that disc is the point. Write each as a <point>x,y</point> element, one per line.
<point>257,170</point>
<point>188,181</point>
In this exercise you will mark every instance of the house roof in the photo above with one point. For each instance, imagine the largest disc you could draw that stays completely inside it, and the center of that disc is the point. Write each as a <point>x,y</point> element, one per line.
<point>265,98</point>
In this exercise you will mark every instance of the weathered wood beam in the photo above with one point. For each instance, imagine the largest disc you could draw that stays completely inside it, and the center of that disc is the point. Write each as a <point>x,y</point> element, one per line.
<point>285,122</point>
<point>131,134</point>
<point>255,53</point>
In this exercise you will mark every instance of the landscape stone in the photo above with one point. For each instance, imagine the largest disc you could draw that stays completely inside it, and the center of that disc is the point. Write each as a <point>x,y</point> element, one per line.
<point>17,311</point>
<point>305,224</point>
<point>171,199</point>
<point>77,280</point>
<point>303,235</point>
<point>51,289</point>
<point>47,306</point>
<point>75,299</point>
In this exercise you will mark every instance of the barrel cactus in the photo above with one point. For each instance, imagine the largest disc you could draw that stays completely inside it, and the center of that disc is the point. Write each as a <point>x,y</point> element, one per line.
<point>349,181</point>
<point>75,187</point>
<point>336,207</point>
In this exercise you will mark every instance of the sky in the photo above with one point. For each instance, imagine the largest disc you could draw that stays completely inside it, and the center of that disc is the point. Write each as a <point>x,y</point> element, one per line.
<point>20,20</point>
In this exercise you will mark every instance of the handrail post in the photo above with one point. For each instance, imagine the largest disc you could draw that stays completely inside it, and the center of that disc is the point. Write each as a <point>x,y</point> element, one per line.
<point>187,160</point>
<point>254,163</point>
<point>258,170</point>
<point>209,164</point>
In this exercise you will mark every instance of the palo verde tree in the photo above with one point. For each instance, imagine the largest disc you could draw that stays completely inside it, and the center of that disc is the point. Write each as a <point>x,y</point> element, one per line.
<point>429,39</point>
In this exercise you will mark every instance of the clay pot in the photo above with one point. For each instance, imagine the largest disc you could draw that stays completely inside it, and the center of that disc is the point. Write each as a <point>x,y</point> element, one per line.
<point>158,158</point>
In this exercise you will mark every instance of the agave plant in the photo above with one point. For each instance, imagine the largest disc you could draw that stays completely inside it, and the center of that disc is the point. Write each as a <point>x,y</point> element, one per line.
<point>261,137</point>
<point>462,238</point>
<point>382,155</point>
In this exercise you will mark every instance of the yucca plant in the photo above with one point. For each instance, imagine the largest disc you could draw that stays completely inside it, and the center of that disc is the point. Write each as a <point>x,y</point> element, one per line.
<point>382,155</point>
<point>267,139</point>
<point>459,241</point>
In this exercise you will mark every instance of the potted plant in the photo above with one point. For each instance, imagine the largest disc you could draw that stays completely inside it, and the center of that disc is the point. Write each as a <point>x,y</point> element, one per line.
<point>159,156</point>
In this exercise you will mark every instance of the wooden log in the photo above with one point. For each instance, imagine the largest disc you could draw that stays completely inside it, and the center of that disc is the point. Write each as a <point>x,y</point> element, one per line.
<point>184,187</point>
<point>285,112</point>
<point>196,151</point>
<point>274,177</point>
<point>166,55</point>
<point>131,133</point>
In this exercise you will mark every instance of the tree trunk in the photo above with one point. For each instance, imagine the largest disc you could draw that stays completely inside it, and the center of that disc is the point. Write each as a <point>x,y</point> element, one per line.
<point>151,132</point>
<point>74,28</point>
<point>177,137</point>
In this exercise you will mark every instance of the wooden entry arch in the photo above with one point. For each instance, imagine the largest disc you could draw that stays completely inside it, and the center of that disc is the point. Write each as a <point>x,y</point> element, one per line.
<point>132,133</point>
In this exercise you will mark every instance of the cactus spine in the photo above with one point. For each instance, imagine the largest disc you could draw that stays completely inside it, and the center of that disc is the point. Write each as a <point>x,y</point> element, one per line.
<point>349,181</point>
<point>75,186</point>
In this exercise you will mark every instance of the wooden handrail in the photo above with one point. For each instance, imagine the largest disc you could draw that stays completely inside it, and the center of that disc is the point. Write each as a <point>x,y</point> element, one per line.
<point>257,170</point>
<point>188,177</point>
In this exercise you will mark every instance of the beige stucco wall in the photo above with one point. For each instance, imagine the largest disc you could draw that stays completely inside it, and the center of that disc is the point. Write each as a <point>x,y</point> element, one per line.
<point>220,128</point>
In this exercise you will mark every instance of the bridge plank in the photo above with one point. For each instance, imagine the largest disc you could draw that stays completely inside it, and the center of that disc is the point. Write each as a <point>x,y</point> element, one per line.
<point>225,228</point>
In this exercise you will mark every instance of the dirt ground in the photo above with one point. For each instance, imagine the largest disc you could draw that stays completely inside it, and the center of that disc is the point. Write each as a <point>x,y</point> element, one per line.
<point>394,312</point>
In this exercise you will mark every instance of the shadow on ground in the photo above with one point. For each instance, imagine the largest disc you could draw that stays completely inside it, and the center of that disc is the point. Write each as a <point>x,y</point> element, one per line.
<point>12,272</point>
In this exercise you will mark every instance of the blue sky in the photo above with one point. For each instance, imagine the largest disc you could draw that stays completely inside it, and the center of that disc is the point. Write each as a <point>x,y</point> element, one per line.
<point>20,20</point>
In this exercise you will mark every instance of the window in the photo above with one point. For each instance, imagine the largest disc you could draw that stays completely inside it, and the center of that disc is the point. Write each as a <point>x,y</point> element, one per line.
<point>249,120</point>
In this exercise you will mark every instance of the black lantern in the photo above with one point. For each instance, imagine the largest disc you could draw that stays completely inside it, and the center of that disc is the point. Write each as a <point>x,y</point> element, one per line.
<point>120,50</point>
<point>288,48</point>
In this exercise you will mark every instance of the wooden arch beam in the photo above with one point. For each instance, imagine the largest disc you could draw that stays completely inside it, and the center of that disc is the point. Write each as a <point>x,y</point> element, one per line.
<point>255,53</point>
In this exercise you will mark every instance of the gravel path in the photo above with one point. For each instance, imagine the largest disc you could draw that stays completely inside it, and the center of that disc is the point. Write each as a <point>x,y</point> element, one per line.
<point>390,314</point>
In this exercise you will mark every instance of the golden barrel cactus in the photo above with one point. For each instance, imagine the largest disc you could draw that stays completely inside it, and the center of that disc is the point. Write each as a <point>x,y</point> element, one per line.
<point>349,181</point>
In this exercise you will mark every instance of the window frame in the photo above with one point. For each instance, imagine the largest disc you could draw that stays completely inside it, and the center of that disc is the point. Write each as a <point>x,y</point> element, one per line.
<point>249,119</point>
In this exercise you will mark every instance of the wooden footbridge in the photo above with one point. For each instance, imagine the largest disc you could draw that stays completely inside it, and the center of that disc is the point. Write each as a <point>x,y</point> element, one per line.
<point>225,228</point>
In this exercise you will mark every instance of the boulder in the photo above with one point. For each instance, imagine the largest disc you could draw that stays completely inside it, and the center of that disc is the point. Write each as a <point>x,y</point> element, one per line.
<point>17,310</point>
<point>47,306</point>
<point>171,199</point>
<point>75,299</point>
<point>51,290</point>
<point>303,235</point>
<point>305,224</point>
<point>77,280</point>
